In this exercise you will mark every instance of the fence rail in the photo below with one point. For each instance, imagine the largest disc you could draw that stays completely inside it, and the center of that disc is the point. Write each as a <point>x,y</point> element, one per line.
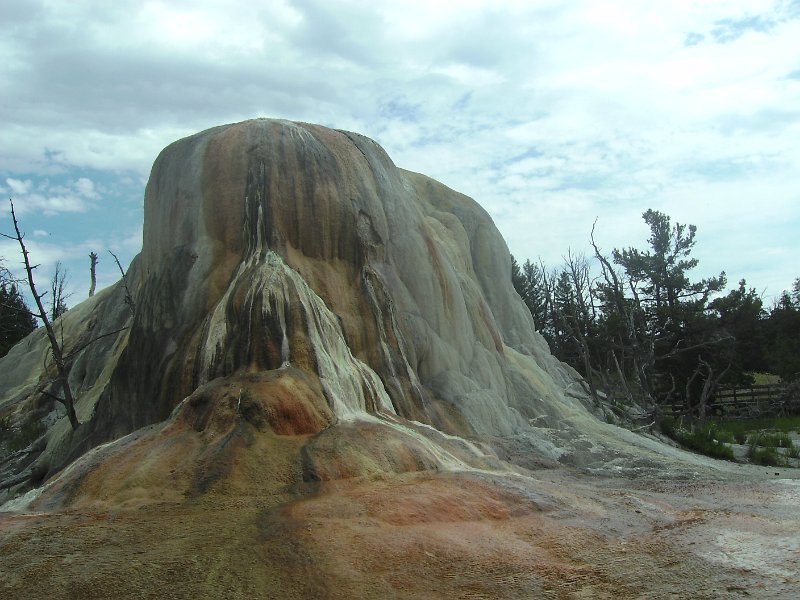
<point>752,401</point>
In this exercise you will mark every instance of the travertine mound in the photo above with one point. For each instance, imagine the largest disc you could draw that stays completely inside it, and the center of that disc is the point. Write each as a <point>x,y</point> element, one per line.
<point>328,389</point>
<point>294,280</point>
<point>270,243</point>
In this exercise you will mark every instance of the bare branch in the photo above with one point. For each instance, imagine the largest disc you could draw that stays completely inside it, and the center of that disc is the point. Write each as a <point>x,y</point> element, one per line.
<point>75,351</point>
<point>53,396</point>
<point>63,373</point>
<point>128,297</point>
<point>92,272</point>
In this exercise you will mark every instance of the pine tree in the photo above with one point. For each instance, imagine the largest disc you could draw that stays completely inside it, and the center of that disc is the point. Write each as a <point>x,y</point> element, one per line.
<point>16,320</point>
<point>783,335</point>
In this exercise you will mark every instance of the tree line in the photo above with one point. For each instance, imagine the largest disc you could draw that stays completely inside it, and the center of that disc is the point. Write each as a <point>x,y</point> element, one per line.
<point>639,328</point>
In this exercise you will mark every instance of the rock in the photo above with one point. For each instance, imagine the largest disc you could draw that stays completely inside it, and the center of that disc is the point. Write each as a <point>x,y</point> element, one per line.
<point>298,266</point>
<point>330,389</point>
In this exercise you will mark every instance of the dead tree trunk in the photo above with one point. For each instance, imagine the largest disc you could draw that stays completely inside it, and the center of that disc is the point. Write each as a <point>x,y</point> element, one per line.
<point>92,272</point>
<point>58,292</point>
<point>63,372</point>
<point>128,298</point>
<point>709,387</point>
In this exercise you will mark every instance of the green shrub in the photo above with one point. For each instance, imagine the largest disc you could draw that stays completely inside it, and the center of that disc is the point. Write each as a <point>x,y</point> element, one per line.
<point>29,432</point>
<point>767,456</point>
<point>769,439</point>
<point>763,448</point>
<point>704,440</point>
<point>668,426</point>
<point>721,435</point>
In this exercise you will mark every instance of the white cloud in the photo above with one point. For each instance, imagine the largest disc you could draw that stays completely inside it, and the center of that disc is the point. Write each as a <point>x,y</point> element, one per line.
<point>17,186</point>
<point>548,113</point>
<point>48,204</point>
<point>85,187</point>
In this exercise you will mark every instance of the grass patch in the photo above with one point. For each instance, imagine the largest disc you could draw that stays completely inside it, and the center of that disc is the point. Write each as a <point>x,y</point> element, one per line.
<point>764,446</point>
<point>742,427</point>
<point>778,439</point>
<point>705,440</point>
<point>765,378</point>
<point>764,456</point>
<point>702,441</point>
<point>767,437</point>
<point>721,435</point>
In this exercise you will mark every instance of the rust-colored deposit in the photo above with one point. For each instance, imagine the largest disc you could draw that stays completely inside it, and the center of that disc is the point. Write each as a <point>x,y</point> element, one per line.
<point>418,535</point>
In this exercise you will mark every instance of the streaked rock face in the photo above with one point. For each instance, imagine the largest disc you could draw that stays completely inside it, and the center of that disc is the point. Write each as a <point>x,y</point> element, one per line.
<point>351,291</point>
<point>296,244</point>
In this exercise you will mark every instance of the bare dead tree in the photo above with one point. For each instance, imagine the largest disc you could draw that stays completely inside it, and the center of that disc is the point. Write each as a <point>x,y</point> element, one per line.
<point>92,272</point>
<point>128,298</point>
<point>633,351</point>
<point>55,347</point>
<point>710,382</point>
<point>58,291</point>
<point>577,268</point>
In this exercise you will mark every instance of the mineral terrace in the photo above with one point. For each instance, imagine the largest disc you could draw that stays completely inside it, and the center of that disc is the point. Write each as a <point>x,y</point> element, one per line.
<point>329,389</point>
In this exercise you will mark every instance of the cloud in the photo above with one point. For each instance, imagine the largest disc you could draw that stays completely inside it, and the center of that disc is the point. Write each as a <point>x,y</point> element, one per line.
<point>728,30</point>
<point>17,186</point>
<point>51,198</point>
<point>85,187</point>
<point>548,113</point>
<point>693,38</point>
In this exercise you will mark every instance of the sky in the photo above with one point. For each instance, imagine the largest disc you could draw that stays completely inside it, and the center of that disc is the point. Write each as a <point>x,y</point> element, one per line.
<point>551,114</point>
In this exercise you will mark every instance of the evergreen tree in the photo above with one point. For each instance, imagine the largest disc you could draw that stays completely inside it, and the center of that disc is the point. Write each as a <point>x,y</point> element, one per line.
<point>529,282</point>
<point>536,298</point>
<point>783,335</point>
<point>670,345</point>
<point>741,314</point>
<point>658,278</point>
<point>647,331</point>
<point>566,314</point>
<point>518,279</point>
<point>16,320</point>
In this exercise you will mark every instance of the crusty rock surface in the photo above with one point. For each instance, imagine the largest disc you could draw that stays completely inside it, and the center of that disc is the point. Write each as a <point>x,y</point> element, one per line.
<point>293,249</point>
<point>322,285</point>
<point>329,389</point>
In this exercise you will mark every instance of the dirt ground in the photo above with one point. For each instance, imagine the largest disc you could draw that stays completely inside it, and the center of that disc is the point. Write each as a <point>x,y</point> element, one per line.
<point>547,534</point>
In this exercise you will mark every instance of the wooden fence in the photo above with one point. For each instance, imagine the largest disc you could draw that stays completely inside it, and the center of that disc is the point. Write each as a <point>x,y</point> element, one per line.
<point>755,401</point>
